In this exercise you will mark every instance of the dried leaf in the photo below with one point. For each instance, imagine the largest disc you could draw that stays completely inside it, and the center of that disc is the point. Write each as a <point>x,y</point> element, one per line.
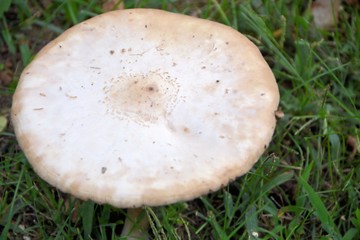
<point>354,145</point>
<point>325,13</point>
<point>3,123</point>
<point>110,5</point>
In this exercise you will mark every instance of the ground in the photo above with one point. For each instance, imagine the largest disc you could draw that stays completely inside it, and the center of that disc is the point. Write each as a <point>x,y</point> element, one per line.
<point>306,185</point>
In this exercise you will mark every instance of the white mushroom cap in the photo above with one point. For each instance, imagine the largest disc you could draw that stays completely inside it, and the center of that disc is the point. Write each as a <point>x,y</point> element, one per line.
<point>145,107</point>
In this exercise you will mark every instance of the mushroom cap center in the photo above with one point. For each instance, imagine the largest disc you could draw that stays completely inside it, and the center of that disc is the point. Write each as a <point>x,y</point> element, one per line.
<point>142,98</point>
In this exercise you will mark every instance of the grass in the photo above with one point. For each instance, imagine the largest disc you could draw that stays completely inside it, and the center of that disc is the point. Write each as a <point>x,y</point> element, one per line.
<point>306,185</point>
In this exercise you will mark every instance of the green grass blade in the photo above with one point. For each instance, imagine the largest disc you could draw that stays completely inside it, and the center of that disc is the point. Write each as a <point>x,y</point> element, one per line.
<point>351,234</point>
<point>72,11</point>
<point>4,6</point>
<point>229,208</point>
<point>25,54</point>
<point>320,209</point>
<point>258,24</point>
<point>4,234</point>
<point>87,214</point>
<point>155,224</point>
<point>220,232</point>
<point>224,18</point>
<point>278,180</point>
<point>8,38</point>
<point>251,221</point>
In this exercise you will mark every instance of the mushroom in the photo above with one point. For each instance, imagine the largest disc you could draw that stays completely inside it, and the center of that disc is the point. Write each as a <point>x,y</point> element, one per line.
<point>143,107</point>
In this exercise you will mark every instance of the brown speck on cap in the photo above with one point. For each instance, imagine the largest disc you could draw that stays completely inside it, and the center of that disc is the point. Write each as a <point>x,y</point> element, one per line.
<point>180,131</point>
<point>70,96</point>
